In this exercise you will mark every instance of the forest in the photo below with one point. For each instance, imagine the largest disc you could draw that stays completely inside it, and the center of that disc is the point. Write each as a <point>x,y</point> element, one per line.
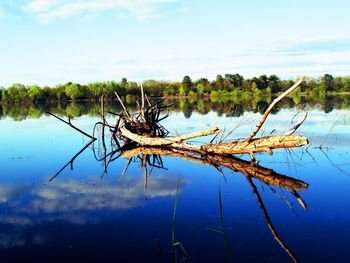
<point>229,86</point>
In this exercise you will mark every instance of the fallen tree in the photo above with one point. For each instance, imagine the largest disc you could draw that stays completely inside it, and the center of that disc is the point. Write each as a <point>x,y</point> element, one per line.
<point>143,129</point>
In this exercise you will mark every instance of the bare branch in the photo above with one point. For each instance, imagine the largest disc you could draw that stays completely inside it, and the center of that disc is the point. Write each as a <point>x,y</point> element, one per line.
<point>269,109</point>
<point>297,125</point>
<point>122,104</point>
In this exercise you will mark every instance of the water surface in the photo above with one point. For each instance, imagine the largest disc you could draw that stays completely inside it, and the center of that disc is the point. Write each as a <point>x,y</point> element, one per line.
<point>89,213</point>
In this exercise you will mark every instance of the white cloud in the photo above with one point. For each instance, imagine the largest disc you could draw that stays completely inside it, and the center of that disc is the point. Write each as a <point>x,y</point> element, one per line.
<point>288,59</point>
<point>45,10</point>
<point>249,63</point>
<point>40,5</point>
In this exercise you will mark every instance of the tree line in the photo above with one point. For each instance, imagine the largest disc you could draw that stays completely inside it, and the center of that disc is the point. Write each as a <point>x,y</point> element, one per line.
<point>187,105</point>
<point>229,85</point>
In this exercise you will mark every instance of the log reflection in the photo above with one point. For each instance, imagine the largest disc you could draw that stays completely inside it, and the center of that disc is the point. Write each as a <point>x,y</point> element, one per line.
<point>152,156</point>
<point>235,164</point>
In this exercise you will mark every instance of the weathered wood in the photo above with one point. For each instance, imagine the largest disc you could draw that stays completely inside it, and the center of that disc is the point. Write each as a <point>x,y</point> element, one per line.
<point>194,135</point>
<point>122,104</point>
<point>144,140</point>
<point>142,108</point>
<point>155,141</point>
<point>264,144</point>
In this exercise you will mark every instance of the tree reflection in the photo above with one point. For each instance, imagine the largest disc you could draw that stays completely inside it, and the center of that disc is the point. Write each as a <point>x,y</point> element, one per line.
<point>229,107</point>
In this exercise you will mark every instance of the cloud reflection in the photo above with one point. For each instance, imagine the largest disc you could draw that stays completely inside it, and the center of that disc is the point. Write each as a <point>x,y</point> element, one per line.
<point>79,201</point>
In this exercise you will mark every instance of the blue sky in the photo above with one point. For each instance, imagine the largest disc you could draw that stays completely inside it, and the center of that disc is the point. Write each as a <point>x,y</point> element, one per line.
<point>48,42</point>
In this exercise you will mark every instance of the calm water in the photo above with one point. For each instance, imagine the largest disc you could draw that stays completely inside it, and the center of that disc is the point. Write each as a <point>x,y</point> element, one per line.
<point>87,215</point>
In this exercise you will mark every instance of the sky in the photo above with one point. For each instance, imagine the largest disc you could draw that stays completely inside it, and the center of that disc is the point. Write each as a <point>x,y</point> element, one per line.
<point>48,42</point>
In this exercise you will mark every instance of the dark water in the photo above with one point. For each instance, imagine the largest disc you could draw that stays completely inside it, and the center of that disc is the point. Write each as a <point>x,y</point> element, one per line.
<point>87,215</point>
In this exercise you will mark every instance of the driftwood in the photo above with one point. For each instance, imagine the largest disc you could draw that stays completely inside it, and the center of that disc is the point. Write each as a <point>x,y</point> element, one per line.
<point>264,144</point>
<point>143,129</point>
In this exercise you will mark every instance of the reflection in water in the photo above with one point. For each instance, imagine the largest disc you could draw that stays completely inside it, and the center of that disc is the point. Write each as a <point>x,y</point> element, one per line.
<point>71,201</point>
<point>64,199</point>
<point>222,106</point>
<point>268,221</point>
<point>110,215</point>
<point>150,158</point>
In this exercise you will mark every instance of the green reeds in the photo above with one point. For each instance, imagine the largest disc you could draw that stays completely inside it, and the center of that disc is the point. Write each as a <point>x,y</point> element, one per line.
<point>177,244</point>
<point>174,214</point>
<point>222,230</point>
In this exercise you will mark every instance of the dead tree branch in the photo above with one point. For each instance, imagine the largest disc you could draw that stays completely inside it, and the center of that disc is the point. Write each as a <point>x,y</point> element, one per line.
<point>269,109</point>
<point>144,129</point>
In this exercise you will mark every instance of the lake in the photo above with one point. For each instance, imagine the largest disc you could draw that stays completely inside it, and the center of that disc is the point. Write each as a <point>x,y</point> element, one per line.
<point>58,209</point>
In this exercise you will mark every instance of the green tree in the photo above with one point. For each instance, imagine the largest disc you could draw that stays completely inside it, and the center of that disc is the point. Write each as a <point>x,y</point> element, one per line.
<point>200,88</point>
<point>219,82</point>
<point>327,82</point>
<point>171,89</point>
<point>35,93</point>
<point>124,82</point>
<point>5,97</point>
<point>345,84</point>
<point>1,92</point>
<point>274,83</point>
<point>261,82</point>
<point>74,91</point>
<point>208,88</point>
<point>60,92</point>
<point>235,79</point>
<point>186,84</point>
<point>17,93</point>
<point>254,87</point>
<point>202,81</point>
<point>133,88</point>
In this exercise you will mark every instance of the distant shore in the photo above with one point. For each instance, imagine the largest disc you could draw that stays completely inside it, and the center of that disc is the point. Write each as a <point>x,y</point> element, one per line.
<point>229,86</point>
